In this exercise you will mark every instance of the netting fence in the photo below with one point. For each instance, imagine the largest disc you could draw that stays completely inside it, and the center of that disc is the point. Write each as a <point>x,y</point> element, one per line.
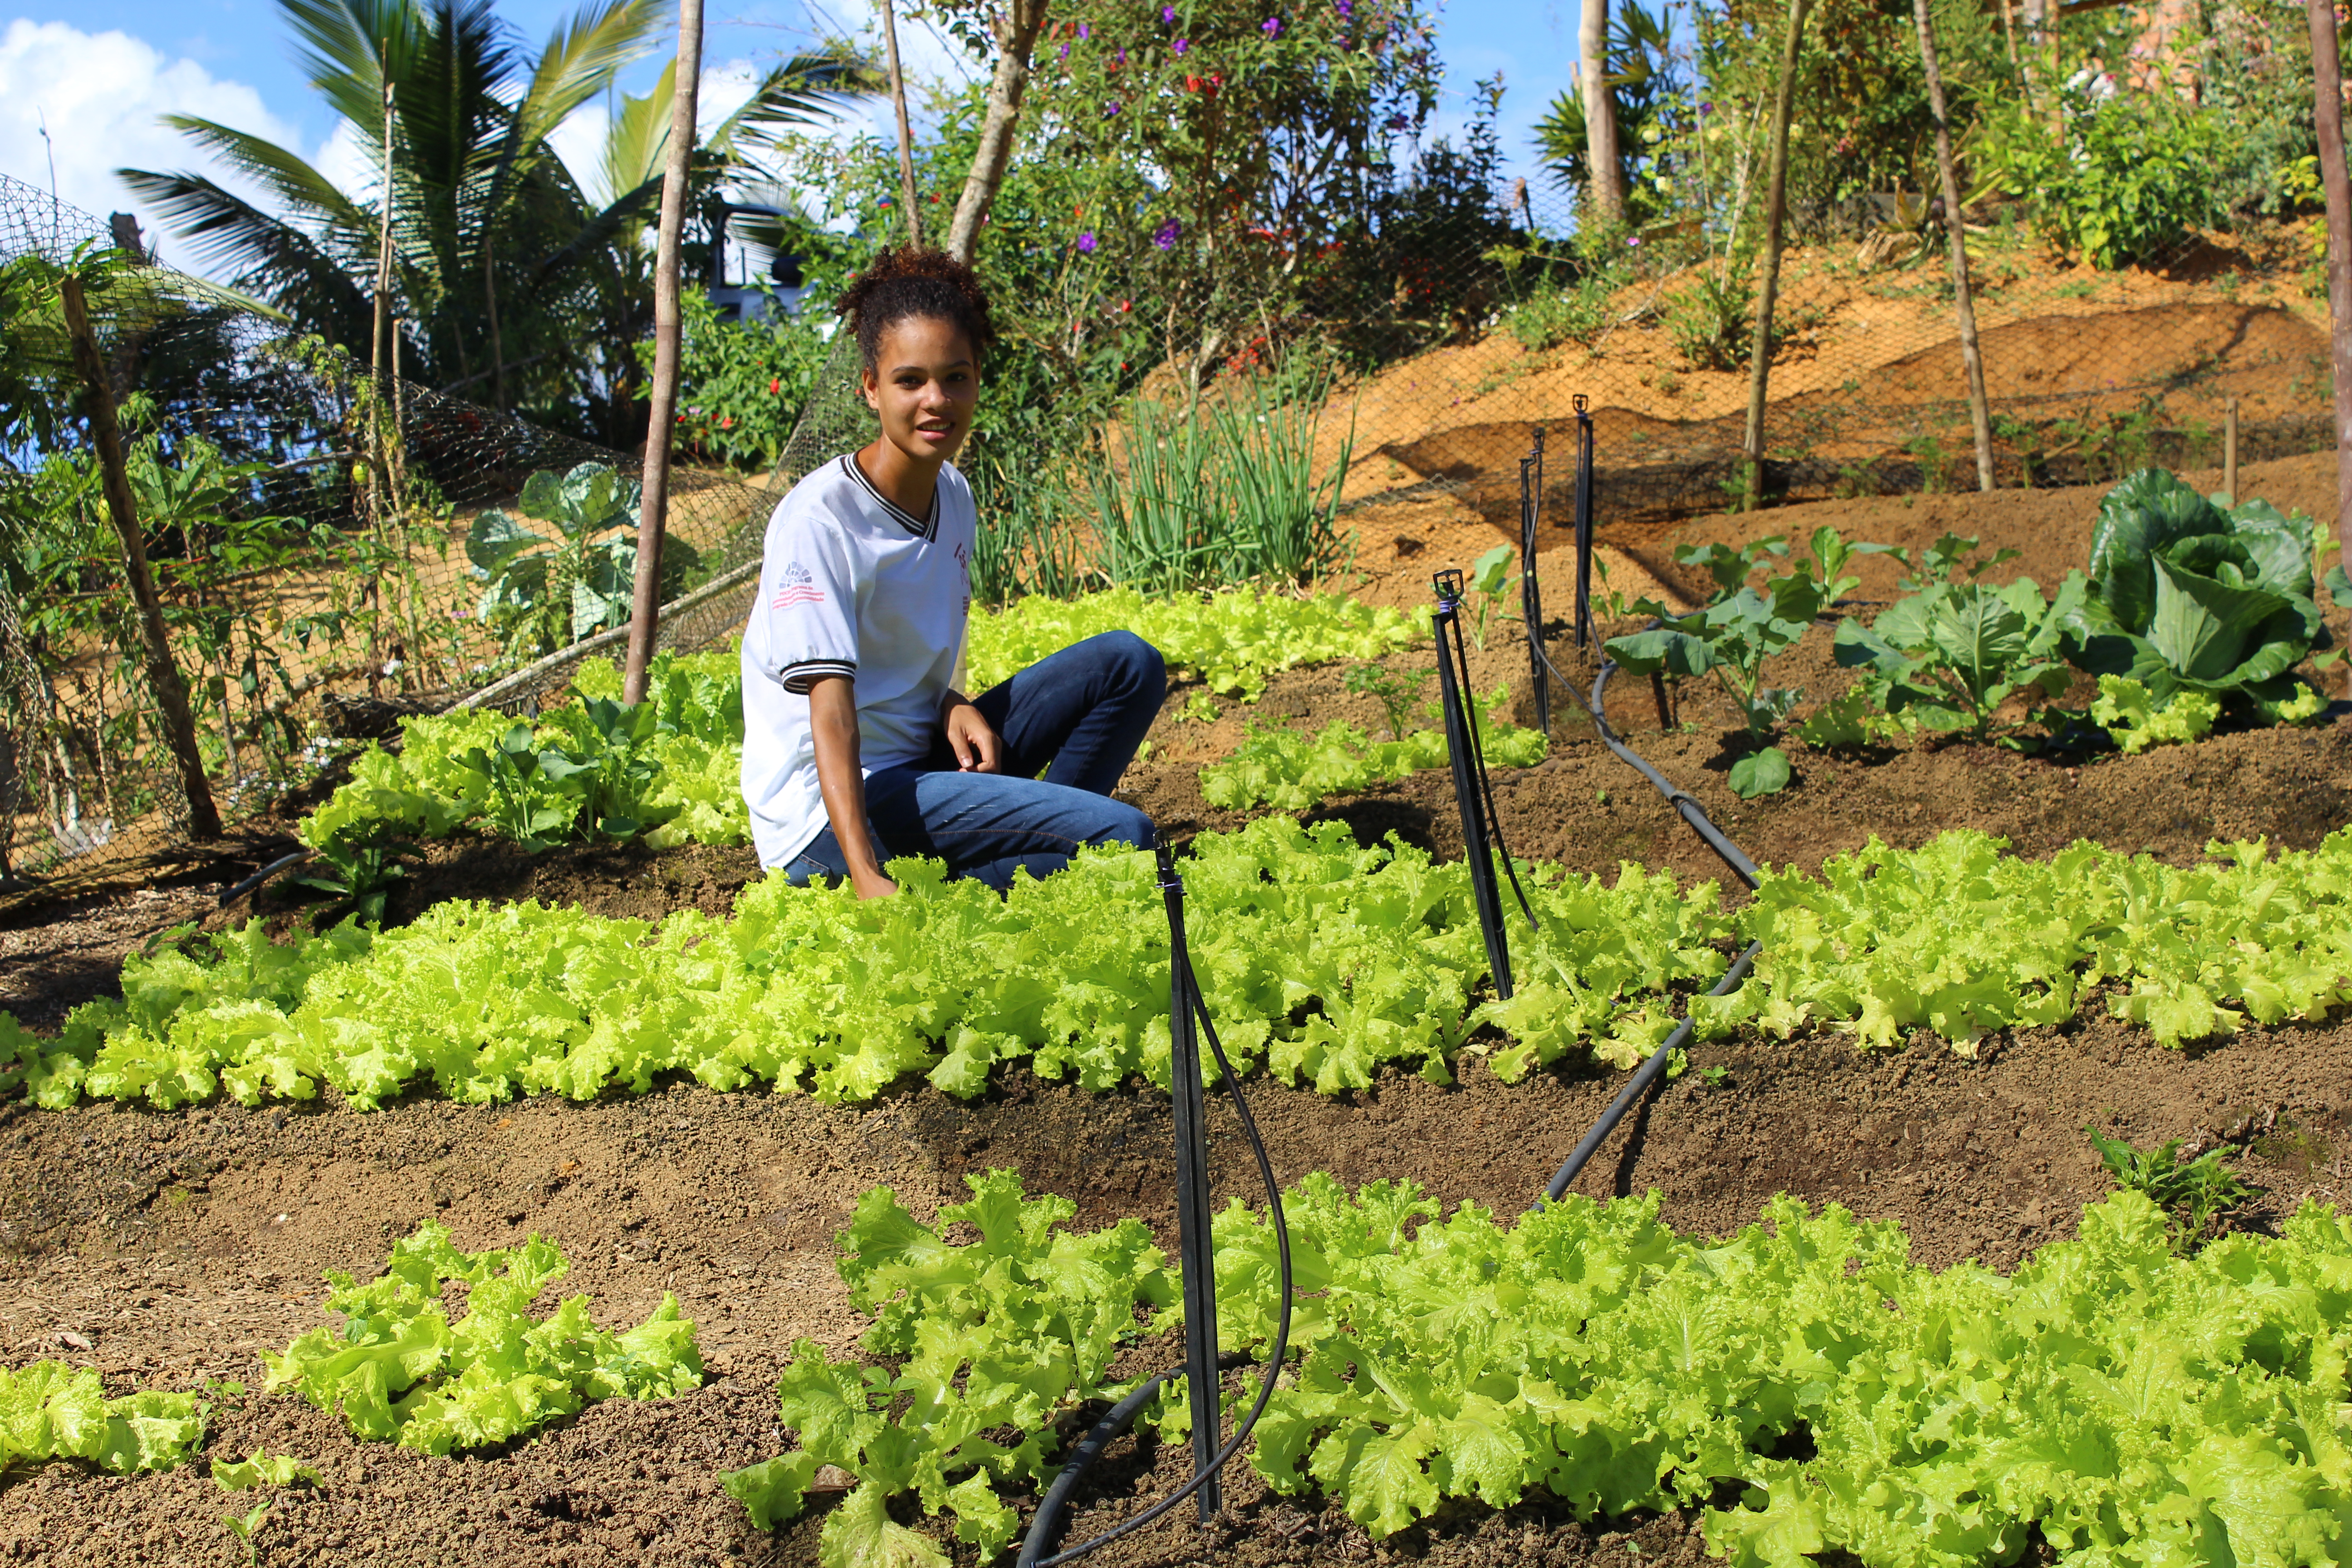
<point>322,545</point>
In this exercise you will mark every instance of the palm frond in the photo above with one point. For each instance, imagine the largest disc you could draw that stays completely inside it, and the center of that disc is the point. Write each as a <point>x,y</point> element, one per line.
<point>580,58</point>
<point>636,139</point>
<point>342,47</point>
<point>805,90</point>
<point>298,186</point>
<point>266,256</point>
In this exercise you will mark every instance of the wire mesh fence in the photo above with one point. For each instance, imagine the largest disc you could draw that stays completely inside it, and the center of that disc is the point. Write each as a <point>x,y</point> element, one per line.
<point>335,547</point>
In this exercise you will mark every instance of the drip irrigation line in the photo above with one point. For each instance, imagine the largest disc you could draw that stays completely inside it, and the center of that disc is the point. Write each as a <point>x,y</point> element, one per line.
<point>1123,1415</point>
<point>250,883</point>
<point>1596,708</point>
<point>1742,866</point>
<point>1643,1077</point>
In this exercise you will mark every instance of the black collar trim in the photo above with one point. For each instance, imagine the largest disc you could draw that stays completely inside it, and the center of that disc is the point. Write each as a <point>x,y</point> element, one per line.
<point>926,528</point>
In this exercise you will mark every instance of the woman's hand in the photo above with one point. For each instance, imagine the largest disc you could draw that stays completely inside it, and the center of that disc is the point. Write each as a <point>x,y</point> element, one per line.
<point>977,748</point>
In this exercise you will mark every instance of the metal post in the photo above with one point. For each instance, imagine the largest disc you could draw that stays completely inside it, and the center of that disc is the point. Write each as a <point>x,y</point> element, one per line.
<point>1584,629</point>
<point>1530,589</point>
<point>1192,1217</point>
<point>1461,746</point>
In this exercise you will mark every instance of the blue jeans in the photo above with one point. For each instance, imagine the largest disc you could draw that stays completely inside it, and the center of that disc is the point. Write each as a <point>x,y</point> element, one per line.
<point>1077,717</point>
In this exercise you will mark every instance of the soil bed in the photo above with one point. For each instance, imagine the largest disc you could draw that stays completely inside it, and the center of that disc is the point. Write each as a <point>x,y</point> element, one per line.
<point>170,1249</point>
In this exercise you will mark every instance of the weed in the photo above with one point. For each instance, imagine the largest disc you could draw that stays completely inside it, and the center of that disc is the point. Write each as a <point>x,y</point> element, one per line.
<point>244,1527</point>
<point>2195,1192</point>
<point>1393,689</point>
<point>1716,1077</point>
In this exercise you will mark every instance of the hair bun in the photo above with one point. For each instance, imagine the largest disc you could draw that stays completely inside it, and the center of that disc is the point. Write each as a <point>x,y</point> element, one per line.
<point>915,282</point>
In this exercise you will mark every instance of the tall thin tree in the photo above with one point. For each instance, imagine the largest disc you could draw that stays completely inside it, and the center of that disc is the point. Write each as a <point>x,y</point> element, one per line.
<point>2335,185</point>
<point>906,135</point>
<point>1776,213</point>
<point>1016,29</point>
<point>1963,302</point>
<point>1605,170</point>
<point>654,504</point>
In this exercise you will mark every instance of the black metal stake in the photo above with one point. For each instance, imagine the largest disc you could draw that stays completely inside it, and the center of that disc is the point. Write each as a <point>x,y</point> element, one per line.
<point>1583,407</point>
<point>1461,746</point>
<point>1193,1220</point>
<point>1531,592</point>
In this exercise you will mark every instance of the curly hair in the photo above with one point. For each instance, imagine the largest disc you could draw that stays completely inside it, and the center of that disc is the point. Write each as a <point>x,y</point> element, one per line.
<point>906,282</point>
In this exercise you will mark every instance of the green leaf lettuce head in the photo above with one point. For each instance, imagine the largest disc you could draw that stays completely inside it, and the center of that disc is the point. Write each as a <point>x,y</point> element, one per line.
<point>2185,594</point>
<point>399,1368</point>
<point>52,1410</point>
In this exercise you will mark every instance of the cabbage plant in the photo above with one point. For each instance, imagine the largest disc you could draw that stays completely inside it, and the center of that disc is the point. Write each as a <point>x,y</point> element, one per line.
<point>2186,595</point>
<point>543,587</point>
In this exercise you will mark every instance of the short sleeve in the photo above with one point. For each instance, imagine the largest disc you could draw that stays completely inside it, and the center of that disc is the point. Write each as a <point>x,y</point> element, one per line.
<point>808,601</point>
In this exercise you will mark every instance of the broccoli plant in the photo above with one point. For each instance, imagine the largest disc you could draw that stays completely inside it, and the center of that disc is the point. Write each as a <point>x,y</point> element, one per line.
<point>1732,636</point>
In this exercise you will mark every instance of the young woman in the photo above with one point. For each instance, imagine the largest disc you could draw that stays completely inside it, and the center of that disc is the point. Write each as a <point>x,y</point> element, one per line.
<point>858,748</point>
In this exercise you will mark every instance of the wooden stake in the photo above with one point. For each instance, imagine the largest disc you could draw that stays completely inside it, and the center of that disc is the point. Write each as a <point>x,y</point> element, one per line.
<point>653,513</point>
<point>1963,303</point>
<point>905,134</point>
<point>162,675</point>
<point>2230,450</point>
<point>1768,287</point>
<point>2328,119</point>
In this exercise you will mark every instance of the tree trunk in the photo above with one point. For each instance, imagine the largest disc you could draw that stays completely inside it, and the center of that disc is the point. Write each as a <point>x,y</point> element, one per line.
<point>662,416</point>
<point>1605,172</point>
<point>1768,284</point>
<point>2328,119</point>
<point>1963,303</point>
<point>1016,35</point>
<point>162,675</point>
<point>906,135</point>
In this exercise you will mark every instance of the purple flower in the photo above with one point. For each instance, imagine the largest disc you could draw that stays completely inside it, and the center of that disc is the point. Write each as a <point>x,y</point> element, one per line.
<point>1168,13</point>
<point>1083,31</point>
<point>1066,51</point>
<point>1707,108</point>
<point>1122,57</point>
<point>1087,243</point>
<point>1111,108</point>
<point>1182,44</point>
<point>1164,237</point>
<point>1347,9</point>
<point>1634,240</point>
<point>1271,26</point>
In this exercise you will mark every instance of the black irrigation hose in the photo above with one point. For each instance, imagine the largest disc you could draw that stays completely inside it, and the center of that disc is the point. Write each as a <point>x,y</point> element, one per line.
<point>250,883</point>
<point>1122,1415</point>
<point>1486,784</point>
<point>1731,856</point>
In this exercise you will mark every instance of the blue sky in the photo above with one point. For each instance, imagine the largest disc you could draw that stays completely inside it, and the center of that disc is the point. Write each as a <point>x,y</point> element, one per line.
<point>98,87</point>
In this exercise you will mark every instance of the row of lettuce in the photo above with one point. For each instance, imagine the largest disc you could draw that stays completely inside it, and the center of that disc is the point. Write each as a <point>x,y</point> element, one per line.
<point>2192,611</point>
<point>1325,963</point>
<point>667,769</point>
<point>2126,1398</point>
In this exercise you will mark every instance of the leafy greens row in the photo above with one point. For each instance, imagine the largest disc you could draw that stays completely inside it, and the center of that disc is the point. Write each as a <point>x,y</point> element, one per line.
<point>1323,960</point>
<point>2124,1403</point>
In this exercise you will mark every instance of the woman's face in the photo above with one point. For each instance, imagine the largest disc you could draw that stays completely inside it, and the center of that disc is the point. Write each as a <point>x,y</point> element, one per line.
<point>924,383</point>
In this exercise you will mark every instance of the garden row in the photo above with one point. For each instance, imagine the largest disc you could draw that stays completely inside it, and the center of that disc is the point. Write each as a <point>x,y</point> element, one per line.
<point>2191,613</point>
<point>1324,962</point>
<point>2137,1395</point>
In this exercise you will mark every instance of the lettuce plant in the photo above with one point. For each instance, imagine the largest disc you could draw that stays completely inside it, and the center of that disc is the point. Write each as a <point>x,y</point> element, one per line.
<point>2185,594</point>
<point>398,1368</point>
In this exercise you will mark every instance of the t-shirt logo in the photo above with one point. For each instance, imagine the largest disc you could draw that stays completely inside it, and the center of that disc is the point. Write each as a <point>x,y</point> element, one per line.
<point>800,588</point>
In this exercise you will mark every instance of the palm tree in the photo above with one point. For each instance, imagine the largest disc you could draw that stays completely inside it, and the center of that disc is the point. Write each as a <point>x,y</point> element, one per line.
<point>509,276</point>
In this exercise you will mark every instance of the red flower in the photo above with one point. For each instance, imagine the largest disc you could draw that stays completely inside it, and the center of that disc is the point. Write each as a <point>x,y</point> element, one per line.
<point>775,386</point>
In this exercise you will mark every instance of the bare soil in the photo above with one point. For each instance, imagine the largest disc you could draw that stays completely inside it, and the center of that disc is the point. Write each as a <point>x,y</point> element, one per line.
<point>168,1249</point>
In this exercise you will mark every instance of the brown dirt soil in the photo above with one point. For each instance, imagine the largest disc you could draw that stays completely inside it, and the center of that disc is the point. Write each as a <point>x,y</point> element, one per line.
<point>1864,355</point>
<point>182,1245</point>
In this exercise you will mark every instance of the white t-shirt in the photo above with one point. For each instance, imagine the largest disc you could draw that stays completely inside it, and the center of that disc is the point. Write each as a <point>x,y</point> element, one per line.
<point>850,585</point>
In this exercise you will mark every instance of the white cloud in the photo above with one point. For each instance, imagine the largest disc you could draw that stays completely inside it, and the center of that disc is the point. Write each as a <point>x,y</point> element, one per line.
<point>102,95</point>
